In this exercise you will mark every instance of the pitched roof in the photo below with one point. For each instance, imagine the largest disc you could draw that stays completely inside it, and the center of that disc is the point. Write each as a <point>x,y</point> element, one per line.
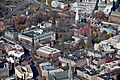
<point>83,30</point>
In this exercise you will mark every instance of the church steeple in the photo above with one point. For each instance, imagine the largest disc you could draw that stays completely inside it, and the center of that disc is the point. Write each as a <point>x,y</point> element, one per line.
<point>77,16</point>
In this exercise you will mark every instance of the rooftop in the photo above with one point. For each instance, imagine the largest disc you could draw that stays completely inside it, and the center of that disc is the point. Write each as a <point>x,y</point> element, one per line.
<point>107,30</point>
<point>107,76</point>
<point>117,37</point>
<point>4,72</point>
<point>47,66</point>
<point>88,70</point>
<point>73,58</point>
<point>48,50</point>
<point>115,13</point>
<point>37,34</point>
<point>15,46</point>
<point>26,68</point>
<point>17,54</point>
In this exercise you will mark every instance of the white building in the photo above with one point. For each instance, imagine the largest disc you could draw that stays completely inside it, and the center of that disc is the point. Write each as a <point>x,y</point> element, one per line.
<point>16,54</point>
<point>58,4</point>
<point>24,72</point>
<point>111,66</point>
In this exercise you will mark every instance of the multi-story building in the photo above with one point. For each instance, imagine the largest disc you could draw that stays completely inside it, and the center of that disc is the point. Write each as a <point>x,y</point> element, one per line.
<point>24,72</point>
<point>111,66</point>
<point>115,17</point>
<point>4,73</point>
<point>48,52</point>
<point>75,62</point>
<point>33,39</point>
<point>87,30</point>
<point>47,69</point>
<point>11,34</point>
<point>88,73</point>
<point>108,76</point>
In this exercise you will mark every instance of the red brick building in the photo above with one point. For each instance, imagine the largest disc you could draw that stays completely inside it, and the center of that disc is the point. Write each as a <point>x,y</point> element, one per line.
<point>87,30</point>
<point>115,17</point>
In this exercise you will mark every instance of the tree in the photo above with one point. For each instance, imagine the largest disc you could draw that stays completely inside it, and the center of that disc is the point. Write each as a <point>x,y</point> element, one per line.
<point>81,43</point>
<point>43,78</point>
<point>94,34</point>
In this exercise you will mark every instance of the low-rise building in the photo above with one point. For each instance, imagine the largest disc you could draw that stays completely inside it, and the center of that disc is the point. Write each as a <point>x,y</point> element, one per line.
<point>88,73</point>
<point>115,17</point>
<point>75,62</point>
<point>111,66</point>
<point>98,61</point>
<point>108,76</point>
<point>108,30</point>
<point>47,69</point>
<point>11,47</point>
<point>59,76</point>
<point>96,53</point>
<point>2,44</point>
<point>11,34</point>
<point>115,41</point>
<point>77,38</point>
<point>24,72</point>
<point>87,30</point>
<point>48,52</point>
<point>4,73</point>
<point>59,4</point>
<point>16,54</point>
<point>34,39</point>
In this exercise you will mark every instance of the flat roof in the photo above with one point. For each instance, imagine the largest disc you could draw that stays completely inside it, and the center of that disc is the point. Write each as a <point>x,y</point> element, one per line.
<point>115,13</point>
<point>37,33</point>
<point>48,50</point>
<point>107,30</point>
<point>117,37</point>
<point>16,46</point>
<point>47,66</point>
<point>16,54</point>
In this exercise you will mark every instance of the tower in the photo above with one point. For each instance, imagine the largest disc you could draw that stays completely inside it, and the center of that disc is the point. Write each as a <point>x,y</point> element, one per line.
<point>77,16</point>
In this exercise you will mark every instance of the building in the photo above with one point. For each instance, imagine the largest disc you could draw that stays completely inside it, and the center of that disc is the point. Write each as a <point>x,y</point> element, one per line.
<point>2,44</point>
<point>87,30</point>
<point>115,41</point>
<point>24,72</point>
<point>75,62</point>
<point>108,76</point>
<point>87,72</point>
<point>16,54</point>
<point>79,37</point>
<point>47,69</point>
<point>58,76</point>
<point>10,47</point>
<point>96,53</point>
<point>36,38</point>
<point>44,25</point>
<point>84,6</point>
<point>48,52</point>
<point>115,17</point>
<point>111,66</point>
<point>108,30</point>
<point>98,61</point>
<point>4,73</point>
<point>59,4</point>
<point>11,34</point>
